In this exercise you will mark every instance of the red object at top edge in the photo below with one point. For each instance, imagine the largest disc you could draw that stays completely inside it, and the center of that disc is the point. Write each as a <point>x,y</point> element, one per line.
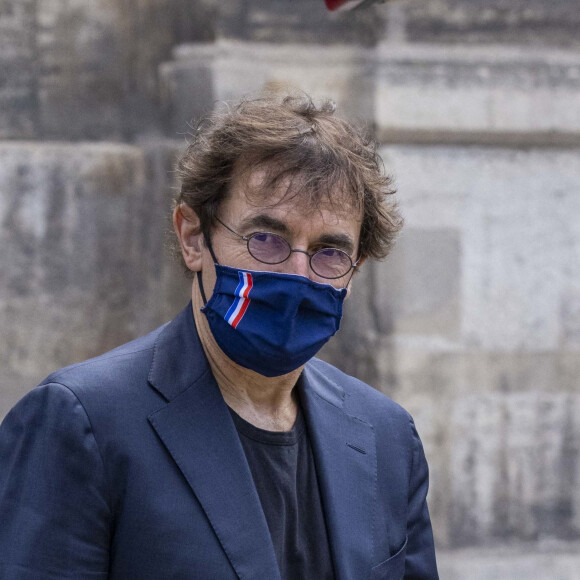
<point>334,4</point>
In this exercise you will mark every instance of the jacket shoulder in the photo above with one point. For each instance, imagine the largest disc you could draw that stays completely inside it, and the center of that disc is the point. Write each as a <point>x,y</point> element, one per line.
<point>127,363</point>
<point>363,400</point>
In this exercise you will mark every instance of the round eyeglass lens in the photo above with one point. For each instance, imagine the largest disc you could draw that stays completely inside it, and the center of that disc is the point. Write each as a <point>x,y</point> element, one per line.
<point>268,248</point>
<point>331,263</point>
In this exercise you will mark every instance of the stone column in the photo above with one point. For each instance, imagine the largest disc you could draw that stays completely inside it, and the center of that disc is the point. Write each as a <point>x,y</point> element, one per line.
<point>18,69</point>
<point>82,243</point>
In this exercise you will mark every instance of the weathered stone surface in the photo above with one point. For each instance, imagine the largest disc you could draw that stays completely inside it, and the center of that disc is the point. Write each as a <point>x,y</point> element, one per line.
<point>436,368</point>
<point>477,306</point>
<point>357,343</point>
<point>344,73</point>
<point>520,241</point>
<point>553,562</point>
<point>299,21</point>
<point>475,89</point>
<point>539,22</point>
<point>428,377</point>
<point>410,93</point>
<point>187,86</point>
<point>79,69</point>
<point>168,290</point>
<point>87,69</point>
<point>78,256</point>
<point>515,461</point>
<point>418,288</point>
<point>18,69</point>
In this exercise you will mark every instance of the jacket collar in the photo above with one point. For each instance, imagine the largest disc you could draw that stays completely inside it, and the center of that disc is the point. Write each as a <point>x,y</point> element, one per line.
<point>345,455</point>
<point>197,429</point>
<point>178,357</point>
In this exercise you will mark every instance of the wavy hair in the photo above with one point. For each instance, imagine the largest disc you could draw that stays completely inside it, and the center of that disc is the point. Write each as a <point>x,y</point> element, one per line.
<point>318,156</point>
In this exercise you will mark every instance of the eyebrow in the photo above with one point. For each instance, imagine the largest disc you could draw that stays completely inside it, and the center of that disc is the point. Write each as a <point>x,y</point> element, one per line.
<point>340,241</point>
<point>264,221</point>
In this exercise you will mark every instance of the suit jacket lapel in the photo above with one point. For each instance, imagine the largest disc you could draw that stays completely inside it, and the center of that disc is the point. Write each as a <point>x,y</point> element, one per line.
<point>345,454</point>
<point>198,431</point>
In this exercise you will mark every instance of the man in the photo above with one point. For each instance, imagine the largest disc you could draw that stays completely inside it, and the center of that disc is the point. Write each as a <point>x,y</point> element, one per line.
<point>217,447</point>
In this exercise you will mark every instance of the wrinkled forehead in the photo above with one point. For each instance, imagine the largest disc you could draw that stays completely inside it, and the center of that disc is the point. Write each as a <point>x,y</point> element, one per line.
<point>266,185</point>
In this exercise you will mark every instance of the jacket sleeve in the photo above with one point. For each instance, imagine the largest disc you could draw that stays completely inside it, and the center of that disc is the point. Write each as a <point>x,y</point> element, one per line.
<point>420,561</point>
<point>54,510</point>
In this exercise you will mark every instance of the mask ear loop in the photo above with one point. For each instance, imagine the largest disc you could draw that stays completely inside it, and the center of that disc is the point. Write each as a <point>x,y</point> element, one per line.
<point>215,261</point>
<point>209,247</point>
<point>199,281</point>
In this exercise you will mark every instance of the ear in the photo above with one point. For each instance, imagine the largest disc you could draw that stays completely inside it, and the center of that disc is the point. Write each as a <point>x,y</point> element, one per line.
<point>188,231</point>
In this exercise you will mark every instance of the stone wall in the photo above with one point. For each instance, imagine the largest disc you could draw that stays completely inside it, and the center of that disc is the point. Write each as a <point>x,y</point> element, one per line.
<point>491,95</point>
<point>473,323</point>
<point>523,22</point>
<point>299,21</point>
<point>80,69</point>
<point>18,63</point>
<point>83,267</point>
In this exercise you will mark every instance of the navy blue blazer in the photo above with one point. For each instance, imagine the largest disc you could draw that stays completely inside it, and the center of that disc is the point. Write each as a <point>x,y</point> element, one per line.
<point>129,466</point>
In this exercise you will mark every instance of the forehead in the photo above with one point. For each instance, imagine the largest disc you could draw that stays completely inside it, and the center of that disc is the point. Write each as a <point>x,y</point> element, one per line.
<point>291,198</point>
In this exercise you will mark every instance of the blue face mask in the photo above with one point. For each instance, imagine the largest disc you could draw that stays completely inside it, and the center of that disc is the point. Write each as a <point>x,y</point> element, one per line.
<point>269,322</point>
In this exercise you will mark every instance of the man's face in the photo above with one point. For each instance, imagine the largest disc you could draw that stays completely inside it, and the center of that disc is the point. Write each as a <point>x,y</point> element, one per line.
<point>247,212</point>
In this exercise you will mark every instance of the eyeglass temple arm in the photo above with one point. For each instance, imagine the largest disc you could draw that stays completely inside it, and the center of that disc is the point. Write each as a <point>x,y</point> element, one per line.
<point>245,238</point>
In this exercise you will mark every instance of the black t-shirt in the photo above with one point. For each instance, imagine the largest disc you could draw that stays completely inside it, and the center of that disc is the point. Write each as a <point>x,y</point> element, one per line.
<point>284,473</point>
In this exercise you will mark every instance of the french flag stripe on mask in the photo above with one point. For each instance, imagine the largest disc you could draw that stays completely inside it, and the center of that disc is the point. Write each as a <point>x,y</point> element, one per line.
<point>237,310</point>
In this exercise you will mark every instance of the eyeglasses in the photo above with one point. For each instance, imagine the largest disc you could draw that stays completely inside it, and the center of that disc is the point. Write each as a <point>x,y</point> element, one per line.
<point>269,248</point>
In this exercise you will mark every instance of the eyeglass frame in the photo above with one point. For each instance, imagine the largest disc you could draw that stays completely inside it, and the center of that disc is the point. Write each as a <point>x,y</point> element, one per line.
<point>291,251</point>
